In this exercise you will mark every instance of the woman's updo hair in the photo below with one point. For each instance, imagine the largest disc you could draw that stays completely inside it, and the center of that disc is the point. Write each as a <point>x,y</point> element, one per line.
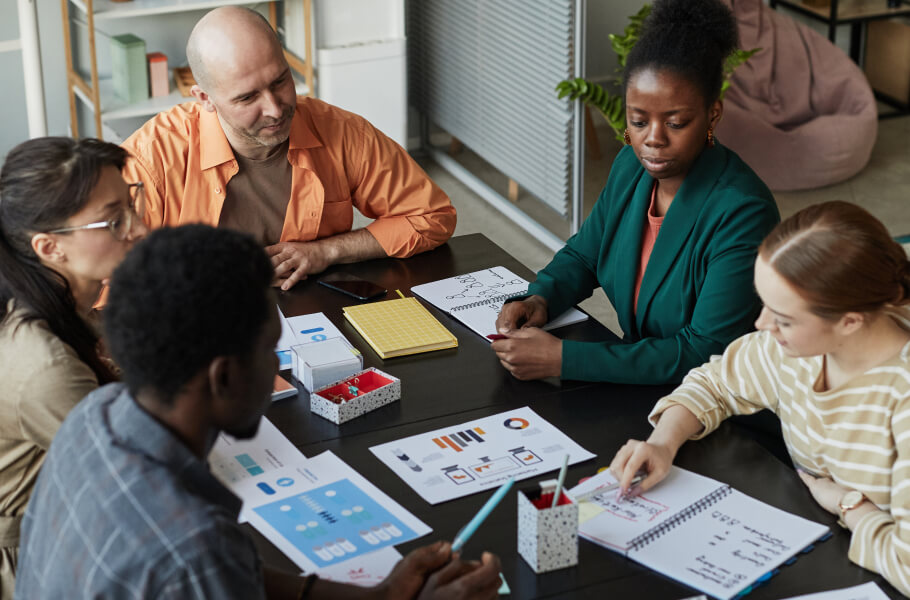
<point>691,38</point>
<point>840,259</point>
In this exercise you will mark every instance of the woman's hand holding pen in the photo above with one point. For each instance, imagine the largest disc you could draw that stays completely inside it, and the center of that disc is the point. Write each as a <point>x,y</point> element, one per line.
<point>530,312</point>
<point>655,456</point>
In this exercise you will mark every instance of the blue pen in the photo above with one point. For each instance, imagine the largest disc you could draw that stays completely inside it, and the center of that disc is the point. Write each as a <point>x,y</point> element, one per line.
<point>468,530</point>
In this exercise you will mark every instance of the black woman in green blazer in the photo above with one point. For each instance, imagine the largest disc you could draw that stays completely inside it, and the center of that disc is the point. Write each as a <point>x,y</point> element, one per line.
<point>697,293</point>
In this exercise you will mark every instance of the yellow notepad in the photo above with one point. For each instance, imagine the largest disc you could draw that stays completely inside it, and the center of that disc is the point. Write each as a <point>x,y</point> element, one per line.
<point>399,327</point>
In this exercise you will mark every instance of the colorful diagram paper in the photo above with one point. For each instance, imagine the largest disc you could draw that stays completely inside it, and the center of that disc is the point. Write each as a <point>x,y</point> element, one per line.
<point>321,513</point>
<point>232,460</point>
<point>480,455</point>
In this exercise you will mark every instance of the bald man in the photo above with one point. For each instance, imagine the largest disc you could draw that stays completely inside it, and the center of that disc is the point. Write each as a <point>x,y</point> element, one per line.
<point>251,155</point>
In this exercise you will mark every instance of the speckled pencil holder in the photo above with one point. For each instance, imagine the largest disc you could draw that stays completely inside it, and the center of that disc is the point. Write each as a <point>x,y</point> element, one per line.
<point>547,537</point>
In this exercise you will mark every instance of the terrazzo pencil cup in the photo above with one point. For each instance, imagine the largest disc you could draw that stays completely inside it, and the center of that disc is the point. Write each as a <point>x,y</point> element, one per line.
<point>547,536</point>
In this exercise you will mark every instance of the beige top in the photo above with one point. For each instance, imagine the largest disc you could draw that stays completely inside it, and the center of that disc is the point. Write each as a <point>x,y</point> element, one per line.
<point>41,380</point>
<point>258,195</point>
<point>858,434</point>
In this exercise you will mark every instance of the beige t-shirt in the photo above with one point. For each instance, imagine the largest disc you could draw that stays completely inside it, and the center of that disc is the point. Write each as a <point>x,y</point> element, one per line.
<point>41,380</point>
<point>257,196</point>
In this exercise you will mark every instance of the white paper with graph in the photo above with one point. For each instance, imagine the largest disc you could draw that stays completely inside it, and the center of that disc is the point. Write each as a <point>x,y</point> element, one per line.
<point>479,455</point>
<point>696,530</point>
<point>476,298</point>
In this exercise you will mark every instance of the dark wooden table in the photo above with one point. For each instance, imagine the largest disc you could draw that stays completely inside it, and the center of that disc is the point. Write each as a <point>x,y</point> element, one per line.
<point>449,387</point>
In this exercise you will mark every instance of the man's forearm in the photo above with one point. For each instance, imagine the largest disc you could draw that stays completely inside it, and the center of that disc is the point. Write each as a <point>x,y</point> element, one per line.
<point>350,247</point>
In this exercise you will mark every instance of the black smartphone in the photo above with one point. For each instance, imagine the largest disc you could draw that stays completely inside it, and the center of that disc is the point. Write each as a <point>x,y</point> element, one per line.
<point>353,286</point>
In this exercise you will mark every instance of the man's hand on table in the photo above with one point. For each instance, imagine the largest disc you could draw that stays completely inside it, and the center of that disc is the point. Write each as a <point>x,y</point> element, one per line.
<point>434,573</point>
<point>293,261</point>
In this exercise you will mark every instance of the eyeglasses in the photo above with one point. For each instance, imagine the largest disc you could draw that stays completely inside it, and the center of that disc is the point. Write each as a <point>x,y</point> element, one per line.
<point>121,225</point>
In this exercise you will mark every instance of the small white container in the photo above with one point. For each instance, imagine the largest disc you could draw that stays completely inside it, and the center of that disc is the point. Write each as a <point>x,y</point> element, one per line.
<point>336,402</point>
<point>317,364</point>
<point>547,537</point>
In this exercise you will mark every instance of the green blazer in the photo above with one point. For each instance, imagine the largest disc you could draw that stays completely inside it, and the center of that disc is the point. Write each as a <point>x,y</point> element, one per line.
<point>697,293</point>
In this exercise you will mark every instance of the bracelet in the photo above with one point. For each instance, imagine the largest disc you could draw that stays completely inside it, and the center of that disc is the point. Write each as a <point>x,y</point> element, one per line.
<point>308,582</point>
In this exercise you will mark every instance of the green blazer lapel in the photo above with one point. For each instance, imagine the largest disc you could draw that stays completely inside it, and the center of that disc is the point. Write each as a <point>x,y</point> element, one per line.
<point>678,222</point>
<point>627,251</point>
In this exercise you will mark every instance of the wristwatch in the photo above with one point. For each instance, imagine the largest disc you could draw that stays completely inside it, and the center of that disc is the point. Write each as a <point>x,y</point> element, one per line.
<point>849,501</point>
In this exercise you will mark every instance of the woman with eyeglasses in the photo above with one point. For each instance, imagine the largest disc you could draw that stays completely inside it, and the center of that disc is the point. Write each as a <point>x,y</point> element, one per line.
<point>67,219</point>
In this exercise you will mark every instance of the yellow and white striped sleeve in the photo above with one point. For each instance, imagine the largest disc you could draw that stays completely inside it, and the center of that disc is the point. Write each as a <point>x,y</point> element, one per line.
<point>741,381</point>
<point>881,539</point>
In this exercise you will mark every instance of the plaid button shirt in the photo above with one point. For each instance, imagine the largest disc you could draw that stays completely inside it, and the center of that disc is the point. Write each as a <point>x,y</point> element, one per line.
<point>123,509</point>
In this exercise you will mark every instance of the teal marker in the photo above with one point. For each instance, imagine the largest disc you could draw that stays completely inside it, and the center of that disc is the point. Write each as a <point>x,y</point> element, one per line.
<point>468,530</point>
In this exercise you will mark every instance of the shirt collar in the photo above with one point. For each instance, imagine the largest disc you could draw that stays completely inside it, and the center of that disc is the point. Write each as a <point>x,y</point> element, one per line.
<point>216,150</point>
<point>131,426</point>
<point>303,134</point>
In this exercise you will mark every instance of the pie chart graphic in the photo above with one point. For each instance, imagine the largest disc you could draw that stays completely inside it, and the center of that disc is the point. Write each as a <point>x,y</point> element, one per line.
<point>516,423</point>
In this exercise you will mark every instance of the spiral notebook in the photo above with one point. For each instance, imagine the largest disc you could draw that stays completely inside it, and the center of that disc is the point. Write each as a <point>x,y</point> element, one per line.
<point>476,298</point>
<point>696,530</point>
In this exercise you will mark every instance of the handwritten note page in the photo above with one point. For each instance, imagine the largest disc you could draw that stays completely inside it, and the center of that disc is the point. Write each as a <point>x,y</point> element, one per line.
<point>728,545</point>
<point>617,522</point>
<point>476,298</point>
<point>696,530</point>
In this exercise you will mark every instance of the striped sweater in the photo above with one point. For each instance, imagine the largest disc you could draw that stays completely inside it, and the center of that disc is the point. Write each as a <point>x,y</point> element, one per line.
<point>857,434</point>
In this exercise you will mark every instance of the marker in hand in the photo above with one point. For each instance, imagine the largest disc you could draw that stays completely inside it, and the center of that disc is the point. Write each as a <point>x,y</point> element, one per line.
<point>465,534</point>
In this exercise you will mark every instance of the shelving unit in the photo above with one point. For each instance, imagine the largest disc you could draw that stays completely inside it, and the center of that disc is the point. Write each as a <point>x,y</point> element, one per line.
<point>847,12</point>
<point>98,94</point>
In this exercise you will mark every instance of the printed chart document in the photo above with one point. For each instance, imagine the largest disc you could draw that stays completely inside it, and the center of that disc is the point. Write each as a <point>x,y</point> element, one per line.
<point>321,513</point>
<point>479,455</point>
<point>696,530</point>
<point>476,298</point>
<point>365,571</point>
<point>232,460</point>
<point>301,329</point>
<point>866,591</point>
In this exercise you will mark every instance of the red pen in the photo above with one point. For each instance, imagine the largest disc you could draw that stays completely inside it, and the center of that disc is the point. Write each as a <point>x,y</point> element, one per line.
<point>496,336</point>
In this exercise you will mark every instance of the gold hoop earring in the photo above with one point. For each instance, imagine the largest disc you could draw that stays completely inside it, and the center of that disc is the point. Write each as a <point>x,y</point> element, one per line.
<point>626,137</point>
<point>710,137</point>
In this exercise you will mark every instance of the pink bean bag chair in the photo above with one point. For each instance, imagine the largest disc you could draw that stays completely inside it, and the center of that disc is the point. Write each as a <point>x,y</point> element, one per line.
<point>799,112</point>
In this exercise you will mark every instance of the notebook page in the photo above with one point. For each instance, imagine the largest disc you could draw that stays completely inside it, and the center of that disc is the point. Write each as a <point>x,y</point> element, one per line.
<point>476,298</point>
<point>469,288</point>
<point>726,546</point>
<point>618,522</point>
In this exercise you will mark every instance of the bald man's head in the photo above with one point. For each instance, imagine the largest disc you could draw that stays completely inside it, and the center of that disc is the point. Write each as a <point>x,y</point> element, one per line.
<point>220,37</point>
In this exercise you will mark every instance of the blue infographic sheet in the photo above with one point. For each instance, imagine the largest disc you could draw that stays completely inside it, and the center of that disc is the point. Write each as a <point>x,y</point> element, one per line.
<point>321,512</point>
<point>334,522</point>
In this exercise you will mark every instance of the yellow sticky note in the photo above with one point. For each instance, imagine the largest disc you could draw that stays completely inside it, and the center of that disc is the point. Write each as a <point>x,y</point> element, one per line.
<point>588,510</point>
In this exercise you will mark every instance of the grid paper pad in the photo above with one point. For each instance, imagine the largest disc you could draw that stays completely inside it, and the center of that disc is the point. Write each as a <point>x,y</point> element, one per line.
<point>399,327</point>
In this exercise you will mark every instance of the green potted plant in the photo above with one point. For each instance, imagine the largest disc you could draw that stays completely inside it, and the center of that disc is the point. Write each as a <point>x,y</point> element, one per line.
<point>610,104</point>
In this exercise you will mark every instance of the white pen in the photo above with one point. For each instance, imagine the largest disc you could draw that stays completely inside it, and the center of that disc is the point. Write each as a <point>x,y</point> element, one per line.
<point>639,477</point>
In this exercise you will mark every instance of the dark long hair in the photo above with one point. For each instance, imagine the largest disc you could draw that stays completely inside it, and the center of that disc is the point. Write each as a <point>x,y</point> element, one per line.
<point>42,183</point>
<point>840,259</point>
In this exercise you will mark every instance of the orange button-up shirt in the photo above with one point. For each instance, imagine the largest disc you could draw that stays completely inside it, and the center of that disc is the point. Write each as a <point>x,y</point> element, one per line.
<point>340,161</point>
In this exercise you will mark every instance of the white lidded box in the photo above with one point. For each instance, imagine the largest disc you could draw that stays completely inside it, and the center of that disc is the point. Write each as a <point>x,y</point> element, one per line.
<point>547,537</point>
<point>317,364</point>
<point>355,395</point>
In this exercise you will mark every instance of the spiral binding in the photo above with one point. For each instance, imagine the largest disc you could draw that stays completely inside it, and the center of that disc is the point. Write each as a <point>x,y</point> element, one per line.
<point>492,300</point>
<point>685,514</point>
